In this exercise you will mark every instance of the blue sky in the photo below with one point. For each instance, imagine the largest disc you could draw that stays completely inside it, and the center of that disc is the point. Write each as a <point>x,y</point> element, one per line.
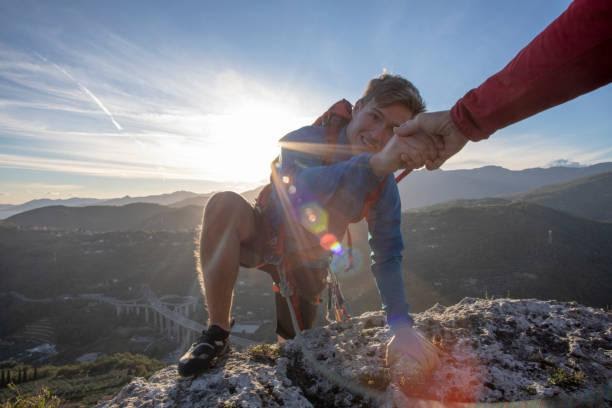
<point>102,99</point>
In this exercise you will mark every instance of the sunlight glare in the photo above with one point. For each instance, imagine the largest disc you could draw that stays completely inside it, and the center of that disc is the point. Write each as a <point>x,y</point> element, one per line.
<point>240,145</point>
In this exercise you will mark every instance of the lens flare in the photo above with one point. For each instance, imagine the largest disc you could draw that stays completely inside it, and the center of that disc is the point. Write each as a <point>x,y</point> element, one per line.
<point>313,218</point>
<point>330,243</point>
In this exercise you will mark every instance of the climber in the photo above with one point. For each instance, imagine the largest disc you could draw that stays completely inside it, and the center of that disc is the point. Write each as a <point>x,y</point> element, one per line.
<point>328,175</point>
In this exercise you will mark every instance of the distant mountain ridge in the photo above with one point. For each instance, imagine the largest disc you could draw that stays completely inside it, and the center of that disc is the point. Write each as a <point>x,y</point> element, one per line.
<point>419,189</point>
<point>588,197</point>
<point>424,188</point>
<point>7,211</point>
<point>130,217</point>
<point>161,199</point>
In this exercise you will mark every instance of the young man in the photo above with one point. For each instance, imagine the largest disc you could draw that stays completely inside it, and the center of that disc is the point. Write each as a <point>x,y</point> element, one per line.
<point>317,191</point>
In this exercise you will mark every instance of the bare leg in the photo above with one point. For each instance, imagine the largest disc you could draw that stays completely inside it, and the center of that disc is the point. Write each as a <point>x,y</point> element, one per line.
<point>228,221</point>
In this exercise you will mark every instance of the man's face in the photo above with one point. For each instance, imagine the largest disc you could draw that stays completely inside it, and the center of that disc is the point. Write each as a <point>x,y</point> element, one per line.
<point>372,126</point>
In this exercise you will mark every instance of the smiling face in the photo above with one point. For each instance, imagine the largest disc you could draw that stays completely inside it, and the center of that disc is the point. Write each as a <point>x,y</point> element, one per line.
<point>372,125</point>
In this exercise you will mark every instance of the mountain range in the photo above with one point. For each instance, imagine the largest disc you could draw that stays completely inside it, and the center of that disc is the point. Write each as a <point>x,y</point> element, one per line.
<point>419,189</point>
<point>424,188</point>
<point>7,210</point>
<point>130,217</point>
<point>588,197</point>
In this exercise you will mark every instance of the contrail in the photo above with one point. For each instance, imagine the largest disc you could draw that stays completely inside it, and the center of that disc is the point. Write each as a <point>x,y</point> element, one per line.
<point>87,91</point>
<point>96,100</point>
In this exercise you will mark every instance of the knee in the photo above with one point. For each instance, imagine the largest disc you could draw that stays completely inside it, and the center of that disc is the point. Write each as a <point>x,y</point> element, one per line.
<point>223,205</point>
<point>228,211</point>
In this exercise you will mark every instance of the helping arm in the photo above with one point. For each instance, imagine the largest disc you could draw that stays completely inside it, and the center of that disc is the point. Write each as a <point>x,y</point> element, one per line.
<point>384,221</point>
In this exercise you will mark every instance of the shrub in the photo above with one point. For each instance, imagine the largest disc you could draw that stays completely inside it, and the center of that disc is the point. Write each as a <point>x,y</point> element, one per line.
<point>44,399</point>
<point>565,379</point>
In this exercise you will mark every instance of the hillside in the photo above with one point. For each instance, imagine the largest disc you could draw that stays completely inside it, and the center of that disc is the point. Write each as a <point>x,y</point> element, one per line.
<point>50,263</point>
<point>520,249</point>
<point>424,188</point>
<point>81,384</point>
<point>7,211</point>
<point>589,197</point>
<point>131,217</point>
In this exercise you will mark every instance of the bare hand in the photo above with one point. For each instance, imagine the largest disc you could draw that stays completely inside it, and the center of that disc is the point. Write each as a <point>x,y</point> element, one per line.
<point>404,152</point>
<point>441,129</point>
<point>410,346</point>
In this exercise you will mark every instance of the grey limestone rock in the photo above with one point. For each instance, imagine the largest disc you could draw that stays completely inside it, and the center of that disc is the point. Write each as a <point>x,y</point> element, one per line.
<point>501,350</point>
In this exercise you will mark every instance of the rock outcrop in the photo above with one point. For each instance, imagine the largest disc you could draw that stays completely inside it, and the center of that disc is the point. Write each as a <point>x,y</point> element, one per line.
<point>491,351</point>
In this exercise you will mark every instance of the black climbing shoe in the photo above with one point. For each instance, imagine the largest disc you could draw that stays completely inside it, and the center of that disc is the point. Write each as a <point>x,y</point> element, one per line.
<point>212,344</point>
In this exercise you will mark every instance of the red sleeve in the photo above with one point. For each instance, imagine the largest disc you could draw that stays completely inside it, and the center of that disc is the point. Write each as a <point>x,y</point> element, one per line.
<point>572,56</point>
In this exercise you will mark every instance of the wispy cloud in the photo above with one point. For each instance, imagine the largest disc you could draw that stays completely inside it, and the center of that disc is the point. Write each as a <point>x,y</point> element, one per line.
<point>83,88</point>
<point>176,119</point>
<point>102,105</point>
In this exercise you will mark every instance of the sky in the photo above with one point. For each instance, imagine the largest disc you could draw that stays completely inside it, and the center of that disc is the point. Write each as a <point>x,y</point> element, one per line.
<point>106,99</point>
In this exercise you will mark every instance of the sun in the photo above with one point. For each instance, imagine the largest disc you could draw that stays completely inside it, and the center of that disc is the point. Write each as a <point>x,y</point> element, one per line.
<point>242,143</point>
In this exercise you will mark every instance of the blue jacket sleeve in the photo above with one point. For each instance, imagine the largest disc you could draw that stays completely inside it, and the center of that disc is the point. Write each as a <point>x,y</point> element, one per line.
<point>384,221</point>
<point>346,182</point>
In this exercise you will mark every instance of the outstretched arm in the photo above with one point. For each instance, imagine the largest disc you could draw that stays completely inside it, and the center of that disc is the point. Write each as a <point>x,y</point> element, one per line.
<point>572,56</point>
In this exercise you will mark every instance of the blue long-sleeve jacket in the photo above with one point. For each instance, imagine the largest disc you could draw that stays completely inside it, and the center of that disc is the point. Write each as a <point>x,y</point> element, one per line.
<point>340,188</point>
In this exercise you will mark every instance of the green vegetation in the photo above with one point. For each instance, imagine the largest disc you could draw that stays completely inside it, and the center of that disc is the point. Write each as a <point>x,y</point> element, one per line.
<point>83,383</point>
<point>53,263</point>
<point>564,379</point>
<point>43,399</point>
<point>264,353</point>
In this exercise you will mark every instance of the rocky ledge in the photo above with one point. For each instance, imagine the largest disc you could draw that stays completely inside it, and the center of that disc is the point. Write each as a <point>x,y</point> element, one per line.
<point>502,350</point>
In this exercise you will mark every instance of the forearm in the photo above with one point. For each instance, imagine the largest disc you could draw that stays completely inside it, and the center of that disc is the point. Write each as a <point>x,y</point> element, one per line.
<point>390,283</point>
<point>572,56</point>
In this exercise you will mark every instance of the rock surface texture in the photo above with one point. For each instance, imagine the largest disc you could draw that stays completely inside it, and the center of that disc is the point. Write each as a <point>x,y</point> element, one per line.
<point>492,351</point>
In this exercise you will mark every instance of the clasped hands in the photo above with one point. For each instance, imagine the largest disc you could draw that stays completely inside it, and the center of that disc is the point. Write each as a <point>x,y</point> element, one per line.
<point>427,140</point>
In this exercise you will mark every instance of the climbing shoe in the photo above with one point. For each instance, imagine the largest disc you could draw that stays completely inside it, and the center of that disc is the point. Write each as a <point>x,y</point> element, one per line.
<point>212,344</point>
